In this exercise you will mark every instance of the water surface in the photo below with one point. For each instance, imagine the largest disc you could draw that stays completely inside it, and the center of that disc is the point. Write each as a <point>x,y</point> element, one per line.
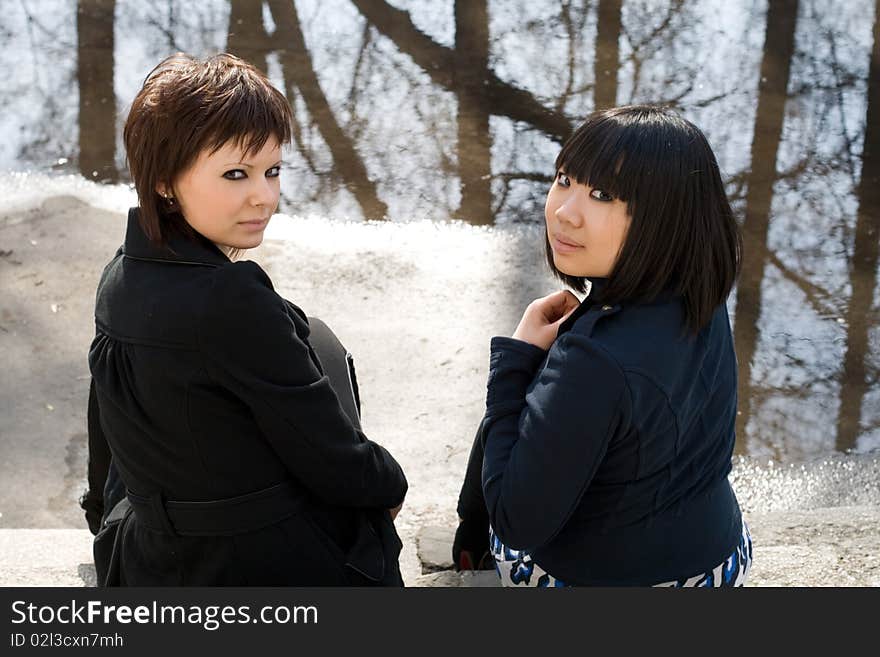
<point>456,110</point>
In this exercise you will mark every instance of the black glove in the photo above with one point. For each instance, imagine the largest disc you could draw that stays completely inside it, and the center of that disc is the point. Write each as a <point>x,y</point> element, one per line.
<point>470,548</point>
<point>93,505</point>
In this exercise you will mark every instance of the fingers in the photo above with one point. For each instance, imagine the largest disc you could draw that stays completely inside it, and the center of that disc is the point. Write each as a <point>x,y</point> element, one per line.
<point>570,300</point>
<point>566,316</point>
<point>558,305</point>
<point>563,300</point>
<point>540,322</point>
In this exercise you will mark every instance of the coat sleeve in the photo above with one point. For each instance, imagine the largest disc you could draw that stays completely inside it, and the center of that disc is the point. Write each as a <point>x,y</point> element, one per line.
<point>251,347</point>
<point>542,448</point>
<point>92,500</point>
<point>472,533</point>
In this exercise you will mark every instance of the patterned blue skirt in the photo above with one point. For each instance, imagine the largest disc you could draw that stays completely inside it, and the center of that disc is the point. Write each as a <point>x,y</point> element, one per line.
<point>516,568</point>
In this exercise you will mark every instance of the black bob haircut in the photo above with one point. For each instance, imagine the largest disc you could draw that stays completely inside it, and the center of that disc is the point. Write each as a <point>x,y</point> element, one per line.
<point>683,237</point>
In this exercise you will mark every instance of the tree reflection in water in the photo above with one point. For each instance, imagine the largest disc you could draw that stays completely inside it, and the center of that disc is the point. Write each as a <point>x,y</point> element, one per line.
<point>419,109</point>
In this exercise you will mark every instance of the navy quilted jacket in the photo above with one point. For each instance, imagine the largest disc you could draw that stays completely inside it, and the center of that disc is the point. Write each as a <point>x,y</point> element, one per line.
<point>607,456</point>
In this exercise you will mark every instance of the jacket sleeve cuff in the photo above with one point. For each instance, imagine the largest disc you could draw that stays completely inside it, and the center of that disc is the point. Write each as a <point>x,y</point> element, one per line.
<point>512,366</point>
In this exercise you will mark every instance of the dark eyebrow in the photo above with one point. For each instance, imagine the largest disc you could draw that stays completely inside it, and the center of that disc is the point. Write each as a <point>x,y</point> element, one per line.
<point>250,166</point>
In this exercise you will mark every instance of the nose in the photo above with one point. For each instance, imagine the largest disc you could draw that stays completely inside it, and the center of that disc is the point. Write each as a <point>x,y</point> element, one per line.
<point>264,192</point>
<point>569,211</point>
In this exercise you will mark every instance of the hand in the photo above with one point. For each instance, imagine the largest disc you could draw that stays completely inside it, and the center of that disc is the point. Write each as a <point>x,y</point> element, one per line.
<point>395,511</point>
<point>470,547</point>
<point>540,322</point>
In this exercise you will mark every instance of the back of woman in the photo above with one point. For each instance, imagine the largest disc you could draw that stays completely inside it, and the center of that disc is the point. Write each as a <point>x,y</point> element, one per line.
<point>609,427</point>
<point>661,406</point>
<point>240,464</point>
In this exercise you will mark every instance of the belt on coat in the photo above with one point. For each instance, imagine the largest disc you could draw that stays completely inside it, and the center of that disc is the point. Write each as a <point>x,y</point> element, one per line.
<point>225,517</point>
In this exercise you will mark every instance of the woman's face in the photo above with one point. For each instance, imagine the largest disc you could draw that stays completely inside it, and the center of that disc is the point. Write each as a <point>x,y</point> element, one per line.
<point>585,227</point>
<point>228,196</point>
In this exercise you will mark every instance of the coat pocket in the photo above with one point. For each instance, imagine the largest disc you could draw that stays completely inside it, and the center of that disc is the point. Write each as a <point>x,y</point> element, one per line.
<point>107,545</point>
<point>373,557</point>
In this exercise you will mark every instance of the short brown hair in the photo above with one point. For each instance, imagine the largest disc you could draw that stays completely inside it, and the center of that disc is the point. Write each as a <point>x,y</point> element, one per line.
<point>683,237</point>
<point>185,106</point>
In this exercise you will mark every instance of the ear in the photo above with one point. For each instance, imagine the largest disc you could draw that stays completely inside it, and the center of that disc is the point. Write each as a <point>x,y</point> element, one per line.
<point>164,190</point>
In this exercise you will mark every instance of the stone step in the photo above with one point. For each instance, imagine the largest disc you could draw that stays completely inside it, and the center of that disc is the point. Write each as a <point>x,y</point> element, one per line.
<point>838,546</point>
<point>46,557</point>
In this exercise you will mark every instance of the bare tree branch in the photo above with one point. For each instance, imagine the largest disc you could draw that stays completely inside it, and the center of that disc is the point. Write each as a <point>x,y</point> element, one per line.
<point>821,300</point>
<point>437,62</point>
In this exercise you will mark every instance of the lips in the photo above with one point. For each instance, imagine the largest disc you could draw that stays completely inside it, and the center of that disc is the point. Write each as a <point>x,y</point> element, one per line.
<point>562,244</point>
<point>254,223</point>
<point>562,239</point>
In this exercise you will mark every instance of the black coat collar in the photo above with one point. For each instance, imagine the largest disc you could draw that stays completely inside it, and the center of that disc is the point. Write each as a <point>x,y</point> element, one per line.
<point>180,249</point>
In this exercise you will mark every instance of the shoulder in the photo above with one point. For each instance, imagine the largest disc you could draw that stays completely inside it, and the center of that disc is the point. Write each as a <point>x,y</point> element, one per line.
<point>638,333</point>
<point>245,323</point>
<point>647,342</point>
<point>244,274</point>
<point>241,298</point>
<point>578,357</point>
<point>110,272</point>
<point>242,287</point>
<point>583,376</point>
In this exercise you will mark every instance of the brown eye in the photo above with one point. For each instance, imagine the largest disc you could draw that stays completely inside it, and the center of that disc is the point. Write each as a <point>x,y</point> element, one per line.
<point>235,174</point>
<point>563,180</point>
<point>599,195</point>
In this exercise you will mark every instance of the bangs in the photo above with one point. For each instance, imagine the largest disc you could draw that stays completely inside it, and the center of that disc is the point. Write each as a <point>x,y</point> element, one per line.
<point>597,157</point>
<point>621,153</point>
<point>245,136</point>
<point>245,114</point>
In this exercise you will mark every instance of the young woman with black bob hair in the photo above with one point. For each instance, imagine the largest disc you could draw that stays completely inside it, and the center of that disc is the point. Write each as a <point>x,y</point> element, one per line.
<point>603,455</point>
<point>239,463</point>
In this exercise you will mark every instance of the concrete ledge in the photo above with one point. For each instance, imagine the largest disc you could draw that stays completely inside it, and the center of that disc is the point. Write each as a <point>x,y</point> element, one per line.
<point>46,557</point>
<point>837,546</point>
<point>450,578</point>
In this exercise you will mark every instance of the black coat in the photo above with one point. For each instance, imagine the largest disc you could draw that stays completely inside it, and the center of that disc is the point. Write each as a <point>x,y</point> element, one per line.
<point>207,388</point>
